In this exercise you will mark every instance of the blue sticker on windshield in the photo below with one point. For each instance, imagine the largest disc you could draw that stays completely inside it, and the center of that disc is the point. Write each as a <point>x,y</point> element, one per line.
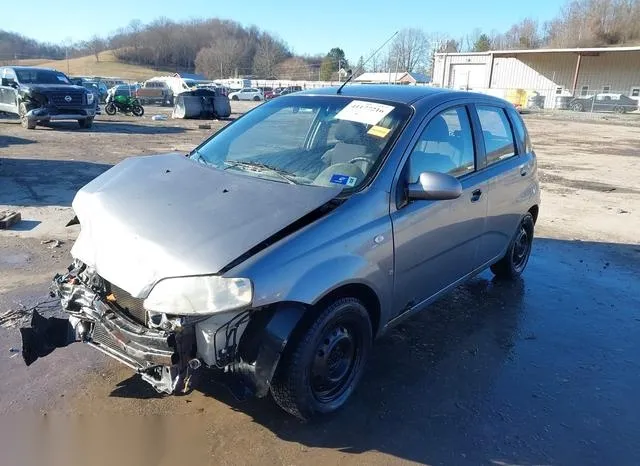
<point>344,179</point>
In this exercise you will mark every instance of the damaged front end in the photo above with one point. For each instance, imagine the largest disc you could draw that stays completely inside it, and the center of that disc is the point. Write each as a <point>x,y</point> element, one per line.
<point>164,349</point>
<point>164,357</point>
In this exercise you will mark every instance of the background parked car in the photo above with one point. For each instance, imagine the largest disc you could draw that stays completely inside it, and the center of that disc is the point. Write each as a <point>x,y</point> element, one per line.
<point>128,90</point>
<point>155,91</point>
<point>278,91</point>
<point>605,102</point>
<point>248,93</point>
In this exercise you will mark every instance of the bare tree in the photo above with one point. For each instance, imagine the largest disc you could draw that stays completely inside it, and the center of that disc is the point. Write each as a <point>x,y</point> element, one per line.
<point>294,68</point>
<point>221,59</point>
<point>96,45</point>
<point>410,49</point>
<point>269,52</point>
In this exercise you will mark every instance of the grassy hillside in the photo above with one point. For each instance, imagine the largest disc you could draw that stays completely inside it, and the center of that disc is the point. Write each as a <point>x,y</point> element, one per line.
<point>107,66</point>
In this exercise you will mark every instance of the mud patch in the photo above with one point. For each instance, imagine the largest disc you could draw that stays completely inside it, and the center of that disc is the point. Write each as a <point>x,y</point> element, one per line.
<point>584,184</point>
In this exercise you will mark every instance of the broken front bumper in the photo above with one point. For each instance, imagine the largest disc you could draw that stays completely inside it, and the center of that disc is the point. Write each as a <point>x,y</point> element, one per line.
<point>164,359</point>
<point>55,114</point>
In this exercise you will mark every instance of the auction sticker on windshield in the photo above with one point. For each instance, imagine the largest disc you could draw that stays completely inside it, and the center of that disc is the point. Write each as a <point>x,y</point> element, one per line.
<point>360,111</point>
<point>344,179</point>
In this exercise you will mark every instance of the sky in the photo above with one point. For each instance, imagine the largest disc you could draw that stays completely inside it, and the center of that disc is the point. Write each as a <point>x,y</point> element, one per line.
<point>313,27</point>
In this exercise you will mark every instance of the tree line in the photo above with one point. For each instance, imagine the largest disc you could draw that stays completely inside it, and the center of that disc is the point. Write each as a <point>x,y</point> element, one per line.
<point>223,48</point>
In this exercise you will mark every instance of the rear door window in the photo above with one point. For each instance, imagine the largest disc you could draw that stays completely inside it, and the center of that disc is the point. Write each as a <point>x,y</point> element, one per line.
<point>496,130</point>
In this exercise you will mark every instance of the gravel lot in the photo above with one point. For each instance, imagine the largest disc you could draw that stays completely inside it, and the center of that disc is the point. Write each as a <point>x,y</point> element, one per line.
<point>543,371</point>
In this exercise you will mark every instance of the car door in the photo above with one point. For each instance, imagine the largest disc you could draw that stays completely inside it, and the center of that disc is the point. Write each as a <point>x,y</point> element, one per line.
<point>436,242</point>
<point>8,93</point>
<point>510,171</point>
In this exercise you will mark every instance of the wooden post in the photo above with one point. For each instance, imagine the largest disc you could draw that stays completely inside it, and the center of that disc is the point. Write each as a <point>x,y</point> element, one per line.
<point>576,74</point>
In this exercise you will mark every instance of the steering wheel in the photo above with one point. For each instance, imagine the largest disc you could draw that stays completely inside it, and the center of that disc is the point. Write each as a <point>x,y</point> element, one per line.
<point>362,159</point>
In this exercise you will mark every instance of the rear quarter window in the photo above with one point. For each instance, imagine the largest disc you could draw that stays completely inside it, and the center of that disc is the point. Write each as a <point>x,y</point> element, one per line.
<point>497,134</point>
<point>521,132</point>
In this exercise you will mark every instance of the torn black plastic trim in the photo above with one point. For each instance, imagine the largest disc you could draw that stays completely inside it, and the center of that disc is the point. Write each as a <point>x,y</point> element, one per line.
<point>44,336</point>
<point>263,343</point>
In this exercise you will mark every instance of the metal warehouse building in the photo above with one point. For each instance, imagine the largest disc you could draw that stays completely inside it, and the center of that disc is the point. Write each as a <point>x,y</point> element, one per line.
<point>551,75</point>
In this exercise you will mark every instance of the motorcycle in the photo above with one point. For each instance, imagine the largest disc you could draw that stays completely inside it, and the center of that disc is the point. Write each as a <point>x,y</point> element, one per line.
<point>123,104</point>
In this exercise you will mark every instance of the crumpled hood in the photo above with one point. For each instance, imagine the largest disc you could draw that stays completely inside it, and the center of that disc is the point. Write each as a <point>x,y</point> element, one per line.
<point>160,216</point>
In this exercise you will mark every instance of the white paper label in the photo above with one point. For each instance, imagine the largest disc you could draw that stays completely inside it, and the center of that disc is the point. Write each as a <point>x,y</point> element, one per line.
<point>360,111</point>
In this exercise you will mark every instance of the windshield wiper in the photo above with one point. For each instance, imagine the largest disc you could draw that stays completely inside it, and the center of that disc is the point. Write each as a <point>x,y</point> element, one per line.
<point>283,174</point>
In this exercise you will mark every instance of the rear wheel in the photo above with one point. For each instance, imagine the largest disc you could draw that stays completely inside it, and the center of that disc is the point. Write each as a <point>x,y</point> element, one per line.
<point>619,109</point>
<point>256,99</point>
<point>320,370</point>
<point>110,108</point>
<point>86,123</point>
<point>577,107</point>
<point>515,260</point>
<point>137,110</point>
<point>24,120</point>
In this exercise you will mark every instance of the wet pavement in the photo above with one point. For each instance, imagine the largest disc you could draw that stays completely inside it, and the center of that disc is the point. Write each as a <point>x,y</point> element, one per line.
<point>544,370</point>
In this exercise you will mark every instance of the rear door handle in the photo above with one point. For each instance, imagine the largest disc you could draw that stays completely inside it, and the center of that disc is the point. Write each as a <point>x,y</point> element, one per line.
<point>475,195</point>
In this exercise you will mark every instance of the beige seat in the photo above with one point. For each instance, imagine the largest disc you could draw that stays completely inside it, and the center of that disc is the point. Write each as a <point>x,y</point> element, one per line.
<point>352,143</point>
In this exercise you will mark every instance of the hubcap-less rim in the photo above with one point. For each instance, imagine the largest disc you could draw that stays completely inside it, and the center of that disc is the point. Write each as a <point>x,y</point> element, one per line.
<point>334,363</point>
<point>521,247</point>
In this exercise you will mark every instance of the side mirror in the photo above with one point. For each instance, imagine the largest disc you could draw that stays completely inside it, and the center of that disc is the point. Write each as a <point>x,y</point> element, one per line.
<point>434,186</point>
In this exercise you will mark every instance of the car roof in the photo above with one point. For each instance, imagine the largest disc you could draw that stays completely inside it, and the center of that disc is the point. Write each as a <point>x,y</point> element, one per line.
<point>29,68</point>
<point>404,94</point>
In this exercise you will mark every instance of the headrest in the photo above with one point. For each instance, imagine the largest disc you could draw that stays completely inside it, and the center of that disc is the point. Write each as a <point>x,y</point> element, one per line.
<point>438,130</point>
<point>350,132</point>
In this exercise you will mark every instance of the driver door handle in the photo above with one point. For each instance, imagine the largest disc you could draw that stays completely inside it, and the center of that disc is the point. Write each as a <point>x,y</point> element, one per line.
<point>475,195</point>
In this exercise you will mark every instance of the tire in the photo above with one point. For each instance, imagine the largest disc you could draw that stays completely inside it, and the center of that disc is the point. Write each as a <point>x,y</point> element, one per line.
<point>517,256</point>
<point>342,330</point>
<point>577,107</point>
<point>619,109</point>
<point>137,110</point>
<point>256,99</point>
<point>86,123</point>
<point>235,98</point>
<point>110,109</point>
<point>24,121</point>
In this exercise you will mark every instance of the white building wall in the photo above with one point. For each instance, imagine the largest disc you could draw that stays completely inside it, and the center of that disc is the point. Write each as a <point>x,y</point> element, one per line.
<point>548,74</point>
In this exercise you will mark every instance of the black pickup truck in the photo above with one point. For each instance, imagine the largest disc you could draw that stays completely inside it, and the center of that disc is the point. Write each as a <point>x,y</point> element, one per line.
<point>40,95</point>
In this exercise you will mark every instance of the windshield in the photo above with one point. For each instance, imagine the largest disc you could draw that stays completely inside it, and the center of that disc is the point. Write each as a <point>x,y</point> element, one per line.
<point>313,140</point>
<point>35,76</point>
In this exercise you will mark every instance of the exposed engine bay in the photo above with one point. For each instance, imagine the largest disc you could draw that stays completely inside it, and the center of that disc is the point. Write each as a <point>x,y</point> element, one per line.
<point>162,348</point>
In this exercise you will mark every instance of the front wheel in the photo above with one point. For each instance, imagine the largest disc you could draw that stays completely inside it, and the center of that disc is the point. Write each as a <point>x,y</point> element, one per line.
<point>322,368</point>
<point>110,108</point>
<point>86,123</point>
<point>137,110</point>
<point>24,120</point>
<point>515,260</point>
<point>235,97</point>
<point>619,109</point>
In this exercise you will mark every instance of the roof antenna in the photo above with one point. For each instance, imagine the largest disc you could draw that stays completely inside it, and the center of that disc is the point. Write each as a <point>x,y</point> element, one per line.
<point>368,59</point>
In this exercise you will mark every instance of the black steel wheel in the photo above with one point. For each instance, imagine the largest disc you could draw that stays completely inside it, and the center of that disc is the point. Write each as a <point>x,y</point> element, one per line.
<point>110,108</point>
<point>320,370</point>
<point>517,257</point>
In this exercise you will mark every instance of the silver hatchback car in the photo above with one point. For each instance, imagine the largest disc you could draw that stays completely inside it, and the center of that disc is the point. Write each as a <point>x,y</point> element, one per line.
<point>282,246</point>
